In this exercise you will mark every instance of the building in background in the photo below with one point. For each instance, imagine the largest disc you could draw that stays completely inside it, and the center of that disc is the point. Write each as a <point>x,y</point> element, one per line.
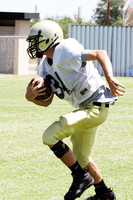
<point>14,28</point>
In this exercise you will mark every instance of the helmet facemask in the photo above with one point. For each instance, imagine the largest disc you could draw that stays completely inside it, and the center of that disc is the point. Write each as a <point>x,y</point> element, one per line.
<point>35,41</point>
<point>33,49</point>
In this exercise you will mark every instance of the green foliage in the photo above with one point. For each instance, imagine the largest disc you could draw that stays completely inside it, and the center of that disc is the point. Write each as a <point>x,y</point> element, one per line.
<point>64,23</point>
<point>116,12</point>
<point>118,21</point>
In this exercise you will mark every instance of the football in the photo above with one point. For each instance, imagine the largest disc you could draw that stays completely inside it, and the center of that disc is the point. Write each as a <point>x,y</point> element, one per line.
<point>43,84</point>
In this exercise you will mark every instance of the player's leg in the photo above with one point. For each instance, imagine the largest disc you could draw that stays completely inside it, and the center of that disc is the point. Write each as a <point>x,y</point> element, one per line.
<point>82,145</point>
<point>68,125</point>
<point>94,171</point>
<point>101,189</point>
<point>53,136</point>
<point>85,141</point>
<point>81,178</point>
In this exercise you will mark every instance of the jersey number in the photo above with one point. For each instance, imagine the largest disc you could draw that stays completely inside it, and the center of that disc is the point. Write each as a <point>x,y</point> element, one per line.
<point>58,90</point>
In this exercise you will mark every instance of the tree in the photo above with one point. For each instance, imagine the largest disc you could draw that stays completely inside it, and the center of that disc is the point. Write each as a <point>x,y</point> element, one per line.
<point>116,12</point>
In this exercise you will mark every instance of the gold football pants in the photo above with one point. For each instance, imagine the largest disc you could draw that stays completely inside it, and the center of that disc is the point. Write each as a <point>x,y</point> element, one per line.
<point>81,125</point>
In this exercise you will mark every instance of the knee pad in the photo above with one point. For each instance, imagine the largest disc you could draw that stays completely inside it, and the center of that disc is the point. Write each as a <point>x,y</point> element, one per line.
<point>60,149</point>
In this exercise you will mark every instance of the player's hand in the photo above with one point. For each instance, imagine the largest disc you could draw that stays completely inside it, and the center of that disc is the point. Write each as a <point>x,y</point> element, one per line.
<point>117,89</point>
<point>33,91</point>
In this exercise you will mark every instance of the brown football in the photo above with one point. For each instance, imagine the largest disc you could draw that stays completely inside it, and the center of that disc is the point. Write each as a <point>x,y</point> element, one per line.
<point>43,83</point>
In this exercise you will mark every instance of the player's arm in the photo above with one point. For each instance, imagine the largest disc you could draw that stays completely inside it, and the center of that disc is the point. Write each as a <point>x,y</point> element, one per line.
<point>102,57</point>
<point>33,91</point>
<point>42,102</point>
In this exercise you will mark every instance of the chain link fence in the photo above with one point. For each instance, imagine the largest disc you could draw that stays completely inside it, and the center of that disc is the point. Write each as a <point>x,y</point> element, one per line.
<point>7,46</point>
<point>13,53</point>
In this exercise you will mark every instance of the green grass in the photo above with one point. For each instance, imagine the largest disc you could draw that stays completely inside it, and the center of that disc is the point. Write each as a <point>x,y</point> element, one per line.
<point>30,171</point>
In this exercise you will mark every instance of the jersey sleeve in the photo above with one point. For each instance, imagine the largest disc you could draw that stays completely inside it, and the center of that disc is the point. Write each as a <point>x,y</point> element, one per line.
<point>68,54</point>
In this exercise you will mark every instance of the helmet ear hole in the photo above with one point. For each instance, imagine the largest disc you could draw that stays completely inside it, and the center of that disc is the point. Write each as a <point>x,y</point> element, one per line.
<point>47,41</point>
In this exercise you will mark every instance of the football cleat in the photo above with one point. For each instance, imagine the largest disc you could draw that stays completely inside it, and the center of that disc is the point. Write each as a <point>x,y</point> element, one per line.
<point>109,195</point>
<point>79,185</point>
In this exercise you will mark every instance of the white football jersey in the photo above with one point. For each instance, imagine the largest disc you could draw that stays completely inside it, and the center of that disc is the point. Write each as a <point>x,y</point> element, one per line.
<point>72,79</point>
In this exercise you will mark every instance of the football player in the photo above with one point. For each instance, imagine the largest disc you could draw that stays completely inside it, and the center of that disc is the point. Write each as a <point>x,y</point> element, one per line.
<point>70,71</point>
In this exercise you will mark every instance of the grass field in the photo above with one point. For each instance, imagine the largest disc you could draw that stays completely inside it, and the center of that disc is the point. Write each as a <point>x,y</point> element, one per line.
<point>30,171</point>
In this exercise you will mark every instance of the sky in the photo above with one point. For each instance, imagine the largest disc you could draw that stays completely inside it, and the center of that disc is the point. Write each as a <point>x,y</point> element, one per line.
<point>52,8</point>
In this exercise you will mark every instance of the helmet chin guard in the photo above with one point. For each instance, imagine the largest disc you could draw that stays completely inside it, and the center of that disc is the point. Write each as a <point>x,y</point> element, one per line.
<point>43,35</point>
<point>39,55</point>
